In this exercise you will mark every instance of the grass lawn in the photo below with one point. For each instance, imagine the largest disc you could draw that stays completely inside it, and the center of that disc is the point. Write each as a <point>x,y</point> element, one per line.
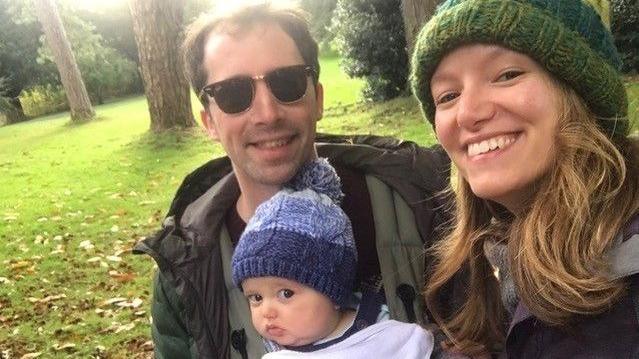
<point>76,198</point>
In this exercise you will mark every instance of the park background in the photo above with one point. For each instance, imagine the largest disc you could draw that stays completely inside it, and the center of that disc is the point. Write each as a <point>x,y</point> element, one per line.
<point>77,193</point>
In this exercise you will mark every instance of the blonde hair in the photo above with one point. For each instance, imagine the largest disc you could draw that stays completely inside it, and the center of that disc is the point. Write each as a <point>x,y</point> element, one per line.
<point>556,246</point>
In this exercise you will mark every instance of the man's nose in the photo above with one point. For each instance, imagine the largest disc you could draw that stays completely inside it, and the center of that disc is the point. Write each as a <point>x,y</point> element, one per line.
<point>265,106</point>
<point>474,107</point>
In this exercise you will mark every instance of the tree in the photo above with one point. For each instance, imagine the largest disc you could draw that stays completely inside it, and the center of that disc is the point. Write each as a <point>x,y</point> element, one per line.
<point>79,103</point>
<point>321,13</point>
<point>370,37</point>
<point>157,25</point>
<point>106,72</point>
<point>19,69</point>
<point>625,28</point>
<point>415,14</point>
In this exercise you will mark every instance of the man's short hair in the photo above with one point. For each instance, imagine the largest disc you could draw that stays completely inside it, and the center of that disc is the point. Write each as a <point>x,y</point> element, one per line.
<point>241,18</point>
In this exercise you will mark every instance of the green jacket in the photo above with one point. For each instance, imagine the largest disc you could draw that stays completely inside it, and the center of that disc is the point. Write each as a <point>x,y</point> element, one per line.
<point>196,310</point>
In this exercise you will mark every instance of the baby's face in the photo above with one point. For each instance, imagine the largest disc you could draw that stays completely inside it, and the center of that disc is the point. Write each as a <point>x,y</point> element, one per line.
<point>289,313</point>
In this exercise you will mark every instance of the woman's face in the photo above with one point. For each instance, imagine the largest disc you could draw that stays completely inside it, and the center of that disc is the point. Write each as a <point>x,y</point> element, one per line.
<point>496,115</point>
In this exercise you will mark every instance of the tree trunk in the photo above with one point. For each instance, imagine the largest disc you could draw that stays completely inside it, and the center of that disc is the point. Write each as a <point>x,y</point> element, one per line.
<point>157,25</point>
<point>11,110</point>
<point>17,113</point>
<point>416,13</point>
<point>81,109</point>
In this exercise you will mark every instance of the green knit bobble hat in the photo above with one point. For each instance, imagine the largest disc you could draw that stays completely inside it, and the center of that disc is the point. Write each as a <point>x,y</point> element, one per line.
<point>570,38</point>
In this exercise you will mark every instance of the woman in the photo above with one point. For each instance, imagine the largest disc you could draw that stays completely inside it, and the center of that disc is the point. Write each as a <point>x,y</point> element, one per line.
<point>527,100</point>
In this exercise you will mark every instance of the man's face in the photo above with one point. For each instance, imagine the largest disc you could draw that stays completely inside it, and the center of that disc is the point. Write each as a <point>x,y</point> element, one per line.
<point>269,141</point>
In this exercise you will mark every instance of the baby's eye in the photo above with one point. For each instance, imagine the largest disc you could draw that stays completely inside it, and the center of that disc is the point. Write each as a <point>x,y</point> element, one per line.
<point>446,97</point>
<point>509,75</point>
<point>285,293</point>
<point>254,299</point>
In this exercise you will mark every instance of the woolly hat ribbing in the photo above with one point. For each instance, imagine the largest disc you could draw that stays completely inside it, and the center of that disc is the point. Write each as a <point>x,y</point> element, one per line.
<point>569,38</point>
<point>303,235</point>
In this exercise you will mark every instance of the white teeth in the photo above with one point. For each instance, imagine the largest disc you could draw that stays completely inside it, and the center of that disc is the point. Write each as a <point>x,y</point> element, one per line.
<point>490,144</point>
<point>272,144</point>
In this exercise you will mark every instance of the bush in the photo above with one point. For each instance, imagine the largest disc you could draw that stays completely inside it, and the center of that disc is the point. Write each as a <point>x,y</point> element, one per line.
<point>43,99</point>
<point>370,38</point>
<point>107,74</point>
<point>625,28</point>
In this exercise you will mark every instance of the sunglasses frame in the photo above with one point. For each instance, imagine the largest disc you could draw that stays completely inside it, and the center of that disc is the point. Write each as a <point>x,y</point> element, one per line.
<point>206,94</point>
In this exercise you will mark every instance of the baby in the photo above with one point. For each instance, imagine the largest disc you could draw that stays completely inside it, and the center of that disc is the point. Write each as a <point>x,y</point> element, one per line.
<point>296,262</point>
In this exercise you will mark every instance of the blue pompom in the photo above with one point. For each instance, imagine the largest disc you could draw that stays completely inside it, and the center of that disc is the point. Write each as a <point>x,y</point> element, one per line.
<point>319,176</point>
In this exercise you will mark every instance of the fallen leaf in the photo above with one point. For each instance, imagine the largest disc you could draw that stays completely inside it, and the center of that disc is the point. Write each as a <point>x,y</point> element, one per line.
<point>112,301</point>
<point>133,304</point>
<point>20,264</point>
<point>65,346</point>
<point>46,299</point>
<point>125,327</point>
<point>31,355</point>
<point>59,249</point>
<point>86,244</point>
<point>121,277</point>
<point>115,228</point>
<point>114,258</point>
<point>52,298</point>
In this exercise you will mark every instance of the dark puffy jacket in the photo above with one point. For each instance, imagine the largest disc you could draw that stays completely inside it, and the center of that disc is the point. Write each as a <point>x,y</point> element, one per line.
<point>190,306</point>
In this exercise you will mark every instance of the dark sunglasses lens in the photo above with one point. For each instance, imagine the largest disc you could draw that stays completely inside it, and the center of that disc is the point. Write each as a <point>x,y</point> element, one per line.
<point>233,95</point>
<point>288,84</point>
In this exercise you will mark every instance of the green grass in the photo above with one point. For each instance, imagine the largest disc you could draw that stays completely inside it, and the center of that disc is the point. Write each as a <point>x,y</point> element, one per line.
<point>338,89</point>
<point>109,182</point>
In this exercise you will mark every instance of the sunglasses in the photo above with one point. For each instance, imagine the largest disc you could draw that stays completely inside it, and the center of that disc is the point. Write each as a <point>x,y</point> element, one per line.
<point>234,95</point>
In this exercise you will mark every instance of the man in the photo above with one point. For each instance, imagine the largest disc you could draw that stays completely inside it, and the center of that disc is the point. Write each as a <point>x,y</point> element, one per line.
<point>256,71</point>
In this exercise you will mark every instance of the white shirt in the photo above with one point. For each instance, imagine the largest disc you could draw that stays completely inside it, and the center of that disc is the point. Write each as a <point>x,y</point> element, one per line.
<point>389,339</point>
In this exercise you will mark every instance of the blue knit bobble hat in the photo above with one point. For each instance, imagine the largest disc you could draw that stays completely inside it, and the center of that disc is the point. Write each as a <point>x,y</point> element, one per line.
<point>303,235</point>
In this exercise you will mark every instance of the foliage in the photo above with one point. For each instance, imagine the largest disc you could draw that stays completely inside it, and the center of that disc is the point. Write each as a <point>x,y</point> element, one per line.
<point>43,99</point>
<point>370,38</point>
<point>321,13</point>
<point>115,26</point>
<point>19,43</point>
<point>625,28</point>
